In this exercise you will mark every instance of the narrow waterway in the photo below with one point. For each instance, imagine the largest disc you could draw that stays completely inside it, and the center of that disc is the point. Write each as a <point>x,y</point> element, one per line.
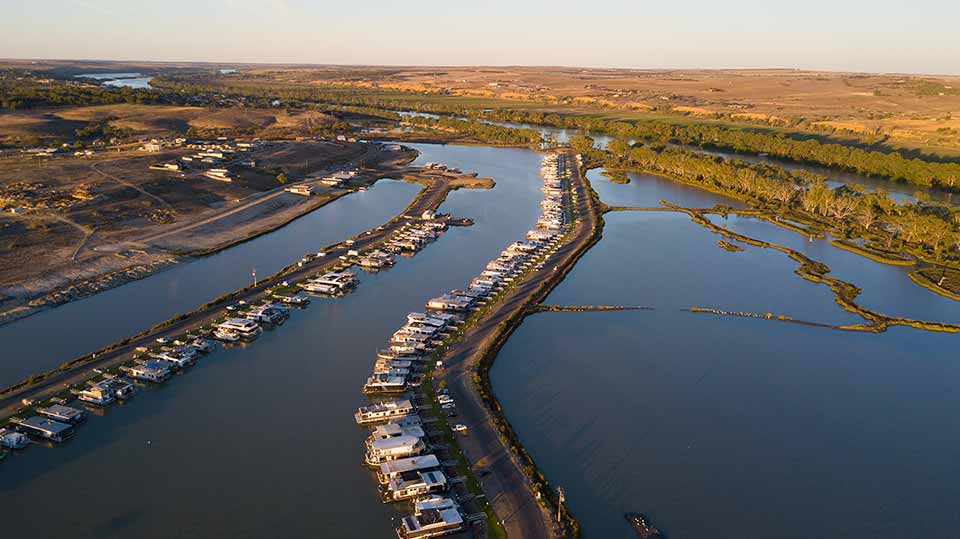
<point>50,338</point>
<point>732,427</point>
<point>260,442</point>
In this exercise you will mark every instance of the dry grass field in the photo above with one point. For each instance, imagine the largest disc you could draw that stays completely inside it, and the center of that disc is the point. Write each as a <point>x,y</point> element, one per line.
<point>914,111</point>
<point>32,127</point>
<point>78,218</point>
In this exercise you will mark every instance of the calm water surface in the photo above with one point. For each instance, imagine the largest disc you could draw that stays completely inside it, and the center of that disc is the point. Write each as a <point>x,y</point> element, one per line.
<point>260,442</point>
<point>128,80</point>
<point>52,337</point>
<point>731,427</point>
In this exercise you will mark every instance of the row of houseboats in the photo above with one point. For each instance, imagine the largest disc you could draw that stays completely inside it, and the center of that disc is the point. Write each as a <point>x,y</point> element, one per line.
<point>399,450</point>
<point>397,445</point>
<point>57,421</point>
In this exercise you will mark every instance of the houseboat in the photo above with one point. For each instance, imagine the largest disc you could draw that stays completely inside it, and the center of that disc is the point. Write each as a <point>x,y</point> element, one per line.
<point>43,427</point>
<point>396,468</point>
<point>295,299</point>
<point>379,412</point>
<point>433,516</point>
<point>99,393</point>
<point>406,426</point>
<point>121,387</point>
<point>385,383</point>
<point>438,320</point>
<point>447,302</point>
<point>397,447</point>
<point>413,484</point>
<point>387,353</point>
<point>268,314</point>
<point>173,359</point>
<point>225,335</point>
<point>12,439</point>
<point>245,329</point>
<point>153,371</point>
<point>63,414</point>
<point>203,346</point>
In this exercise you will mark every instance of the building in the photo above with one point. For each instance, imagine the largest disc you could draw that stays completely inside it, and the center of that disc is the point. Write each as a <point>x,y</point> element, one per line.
<point>219,174</point>
<point>338,179</point>
<point>167,167</point>
<point>304,190</point>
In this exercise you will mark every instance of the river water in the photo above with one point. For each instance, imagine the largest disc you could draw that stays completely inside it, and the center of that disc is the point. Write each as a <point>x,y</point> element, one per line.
<point>260,442</point>
<point>47,339</point>
<point>732,427</point>
<point>120,80</point>
<point>715,426</point>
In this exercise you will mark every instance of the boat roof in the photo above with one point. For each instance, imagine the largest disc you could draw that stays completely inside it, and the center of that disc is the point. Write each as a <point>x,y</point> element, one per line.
<point>388,405</point>
<point>242,322</point>
<point>153,366</point>
<point>46,424</point>
<point>397,429</point>
<point>61,410</point>
<point>423,462</point>
<point>434,502</point>
<point>395,442</point>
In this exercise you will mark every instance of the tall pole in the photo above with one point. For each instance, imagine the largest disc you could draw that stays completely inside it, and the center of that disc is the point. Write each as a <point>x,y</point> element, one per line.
<point>559,503</point>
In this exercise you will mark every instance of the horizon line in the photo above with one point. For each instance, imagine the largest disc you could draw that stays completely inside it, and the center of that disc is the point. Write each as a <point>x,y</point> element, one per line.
<point>547,66</point>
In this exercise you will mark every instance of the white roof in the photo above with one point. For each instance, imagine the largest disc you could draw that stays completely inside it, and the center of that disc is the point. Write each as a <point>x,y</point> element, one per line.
<point>422,462</point>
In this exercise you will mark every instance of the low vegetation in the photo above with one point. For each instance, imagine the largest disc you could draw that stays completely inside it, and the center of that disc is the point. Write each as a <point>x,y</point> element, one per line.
<point>924,230</point>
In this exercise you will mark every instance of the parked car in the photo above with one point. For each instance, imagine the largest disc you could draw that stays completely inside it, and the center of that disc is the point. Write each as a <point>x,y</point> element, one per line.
<point>459,427</point>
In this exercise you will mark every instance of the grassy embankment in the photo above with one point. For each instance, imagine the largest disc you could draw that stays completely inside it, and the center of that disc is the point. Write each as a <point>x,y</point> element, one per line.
<point>943,281</point>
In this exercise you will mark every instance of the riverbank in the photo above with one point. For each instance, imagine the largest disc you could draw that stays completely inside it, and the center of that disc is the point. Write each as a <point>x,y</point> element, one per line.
<point>45,385</point>
<point>137,259</point>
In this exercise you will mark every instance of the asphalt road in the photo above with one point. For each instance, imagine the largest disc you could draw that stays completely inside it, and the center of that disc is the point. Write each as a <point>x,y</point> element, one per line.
<point>507,487</point>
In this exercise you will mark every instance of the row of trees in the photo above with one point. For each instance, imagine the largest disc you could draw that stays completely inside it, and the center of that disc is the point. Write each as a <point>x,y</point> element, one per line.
<point>479,130</point>
<point>931,229</point>
<point>871,162</point>
<point>15,95</point>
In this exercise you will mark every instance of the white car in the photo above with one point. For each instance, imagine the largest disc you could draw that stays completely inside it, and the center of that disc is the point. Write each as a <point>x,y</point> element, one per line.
<point>448,406</point>
<point>459,427</point>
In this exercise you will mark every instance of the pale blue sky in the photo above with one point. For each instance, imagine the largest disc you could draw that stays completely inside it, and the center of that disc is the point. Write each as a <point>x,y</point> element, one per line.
<point>920,36</point>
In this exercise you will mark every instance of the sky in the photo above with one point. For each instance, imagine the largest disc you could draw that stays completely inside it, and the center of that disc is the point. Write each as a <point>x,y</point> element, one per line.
<point>920,36</point>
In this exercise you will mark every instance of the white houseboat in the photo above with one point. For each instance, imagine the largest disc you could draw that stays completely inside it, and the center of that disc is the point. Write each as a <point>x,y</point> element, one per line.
<point>12,439</point>
<point>433,516</point>
<point>245,329</point>
<point>397,447</point>
<point>383,411</point>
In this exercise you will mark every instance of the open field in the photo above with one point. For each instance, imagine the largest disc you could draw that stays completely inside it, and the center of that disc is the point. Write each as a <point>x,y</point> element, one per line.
<point>33,127</point>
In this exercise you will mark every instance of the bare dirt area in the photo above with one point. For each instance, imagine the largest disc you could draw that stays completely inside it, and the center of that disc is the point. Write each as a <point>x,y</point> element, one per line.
<point>73,226</point>
<point>36,126</point>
